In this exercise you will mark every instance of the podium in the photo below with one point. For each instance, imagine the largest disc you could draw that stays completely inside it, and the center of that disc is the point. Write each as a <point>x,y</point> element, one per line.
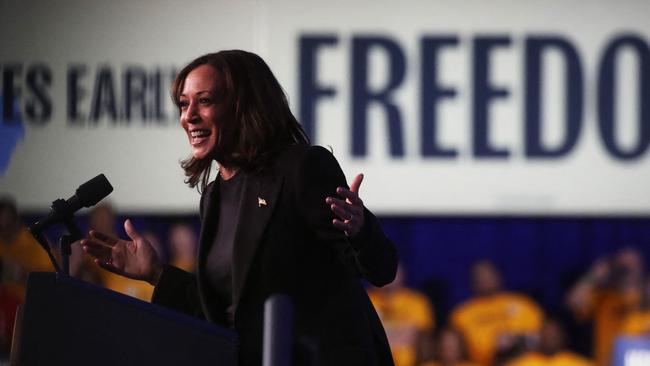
<point>66,321</point>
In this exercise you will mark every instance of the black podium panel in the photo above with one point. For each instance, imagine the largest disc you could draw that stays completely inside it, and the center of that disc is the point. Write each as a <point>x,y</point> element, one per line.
<point>66,321</point>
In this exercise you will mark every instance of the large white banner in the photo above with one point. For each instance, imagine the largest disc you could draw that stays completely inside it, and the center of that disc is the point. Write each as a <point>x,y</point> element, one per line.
<point>473,107</point>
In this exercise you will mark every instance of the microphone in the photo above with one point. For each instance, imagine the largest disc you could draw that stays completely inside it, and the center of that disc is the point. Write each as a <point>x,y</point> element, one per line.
<point>87,195</point>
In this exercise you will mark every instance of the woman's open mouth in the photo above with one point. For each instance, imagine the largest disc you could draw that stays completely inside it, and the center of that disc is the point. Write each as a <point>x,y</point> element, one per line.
<point>198,137</point>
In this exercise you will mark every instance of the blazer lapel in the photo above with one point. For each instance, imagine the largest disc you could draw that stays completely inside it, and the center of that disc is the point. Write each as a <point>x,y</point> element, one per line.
<point>259,197</point>
<point>209,222</point>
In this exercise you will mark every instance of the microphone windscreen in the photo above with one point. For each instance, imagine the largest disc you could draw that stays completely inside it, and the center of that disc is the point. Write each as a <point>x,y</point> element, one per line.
<point>93,191</point>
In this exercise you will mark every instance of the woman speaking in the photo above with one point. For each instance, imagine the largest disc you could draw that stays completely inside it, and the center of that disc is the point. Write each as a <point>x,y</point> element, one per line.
<point>278,218</point>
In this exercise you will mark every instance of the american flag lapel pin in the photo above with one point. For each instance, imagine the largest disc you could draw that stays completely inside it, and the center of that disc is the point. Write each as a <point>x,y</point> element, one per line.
<point>261,202</point>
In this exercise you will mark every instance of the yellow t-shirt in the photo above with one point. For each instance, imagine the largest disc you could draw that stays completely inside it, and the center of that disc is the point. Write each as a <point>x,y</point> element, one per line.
<point>184,265</point>
<point>135,288</point>
<point>558,359</point>
<point>19,258</point>
<point>608,308</point>
<point>401,308</point>
<point>482,319</point>
<point>636,323</point>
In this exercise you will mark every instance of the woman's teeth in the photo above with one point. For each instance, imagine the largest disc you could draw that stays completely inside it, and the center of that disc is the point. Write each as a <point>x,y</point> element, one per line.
<point>199,133</point>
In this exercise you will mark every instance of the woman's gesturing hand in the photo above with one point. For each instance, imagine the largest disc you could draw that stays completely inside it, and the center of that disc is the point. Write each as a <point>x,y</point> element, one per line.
<point>135,259</point>
<point>349,210</point>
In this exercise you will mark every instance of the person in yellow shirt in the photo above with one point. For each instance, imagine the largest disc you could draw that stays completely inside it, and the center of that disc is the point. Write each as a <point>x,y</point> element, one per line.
<point>407,316</point>
<point>449,350</point>
<point>551,350</point>
<point>637,321</point>
<point>606,295</point>
<point>20,253</point>
<point>182,246</point>
<point>494,320</point>
<point>8,306</point>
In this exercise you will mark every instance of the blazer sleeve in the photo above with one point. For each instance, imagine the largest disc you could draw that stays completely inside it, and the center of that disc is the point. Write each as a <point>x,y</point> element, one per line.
<point>178,290</point>
<point>371,254</point>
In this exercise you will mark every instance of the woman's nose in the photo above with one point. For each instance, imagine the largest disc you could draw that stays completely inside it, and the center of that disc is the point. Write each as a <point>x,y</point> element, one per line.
<point>192,114</point>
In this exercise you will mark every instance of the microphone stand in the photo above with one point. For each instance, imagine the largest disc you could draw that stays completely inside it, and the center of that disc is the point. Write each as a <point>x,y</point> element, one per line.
<point>65,241</point>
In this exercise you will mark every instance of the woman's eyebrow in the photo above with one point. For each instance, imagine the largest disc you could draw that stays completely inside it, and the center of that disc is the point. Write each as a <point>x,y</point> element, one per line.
<point>197,93</point>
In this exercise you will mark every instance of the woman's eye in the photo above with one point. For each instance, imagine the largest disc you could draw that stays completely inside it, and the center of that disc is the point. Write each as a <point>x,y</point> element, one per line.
<point>183,104</point>
<point>205,100</point>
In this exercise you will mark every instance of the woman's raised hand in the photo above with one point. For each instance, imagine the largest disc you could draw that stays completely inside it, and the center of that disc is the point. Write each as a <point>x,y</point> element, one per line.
<point>135,259</point>
<point>349,210</point>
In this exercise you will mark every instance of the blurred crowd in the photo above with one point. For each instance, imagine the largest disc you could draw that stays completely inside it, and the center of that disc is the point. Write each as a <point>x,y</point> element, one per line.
<point>504,328</point>
<point>494,326</point>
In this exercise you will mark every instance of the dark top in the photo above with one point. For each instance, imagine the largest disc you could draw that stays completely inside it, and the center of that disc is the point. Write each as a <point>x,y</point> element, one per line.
<point>218,266</point>
<point>286,244</point>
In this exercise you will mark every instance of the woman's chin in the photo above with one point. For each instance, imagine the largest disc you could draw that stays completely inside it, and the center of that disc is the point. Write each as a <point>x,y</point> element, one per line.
<point>200,153</point>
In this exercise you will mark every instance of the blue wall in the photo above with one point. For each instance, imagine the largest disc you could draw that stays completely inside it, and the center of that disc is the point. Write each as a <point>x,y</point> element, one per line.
<point>539,256</point>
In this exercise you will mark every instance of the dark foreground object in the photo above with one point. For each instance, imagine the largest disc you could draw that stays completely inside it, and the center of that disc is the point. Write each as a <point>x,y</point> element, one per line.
<point>66,321</point>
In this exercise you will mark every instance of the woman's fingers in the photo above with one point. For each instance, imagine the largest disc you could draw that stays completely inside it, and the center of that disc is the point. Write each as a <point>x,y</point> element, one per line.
<point>103,238</point>
<point>130,230</point>
<point>343,209</point>
<point>99,251</point>
<point>341,225</point>
<point>352,196</point>
<point>349,208</point>
<point>92,242</point>
<point>356,183</point>
<point>341,213</point>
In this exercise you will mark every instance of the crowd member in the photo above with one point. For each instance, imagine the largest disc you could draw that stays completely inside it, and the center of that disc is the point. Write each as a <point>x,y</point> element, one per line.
<point>494,321</point>
<point>8,307</point>
<point>449,349</point>
<point>20,254</point>
<point>182,246</point>
<point>551,350</point>
<point>637,321</point>
<point>606,295</point>
<point>407,316</point>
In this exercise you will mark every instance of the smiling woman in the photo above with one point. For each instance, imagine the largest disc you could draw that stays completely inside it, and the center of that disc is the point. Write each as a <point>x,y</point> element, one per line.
<point>279,218</point>
<point>200,110</point>
<point>237,108</point>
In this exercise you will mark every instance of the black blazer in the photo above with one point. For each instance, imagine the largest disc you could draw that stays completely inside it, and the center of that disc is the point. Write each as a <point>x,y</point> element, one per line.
<point>286,243</point>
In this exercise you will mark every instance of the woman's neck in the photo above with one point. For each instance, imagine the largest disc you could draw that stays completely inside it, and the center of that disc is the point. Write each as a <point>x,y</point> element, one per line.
<point>227,173</point>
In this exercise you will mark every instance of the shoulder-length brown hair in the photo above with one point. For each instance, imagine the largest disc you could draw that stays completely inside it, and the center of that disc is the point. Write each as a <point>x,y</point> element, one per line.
<point>262,124</point>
